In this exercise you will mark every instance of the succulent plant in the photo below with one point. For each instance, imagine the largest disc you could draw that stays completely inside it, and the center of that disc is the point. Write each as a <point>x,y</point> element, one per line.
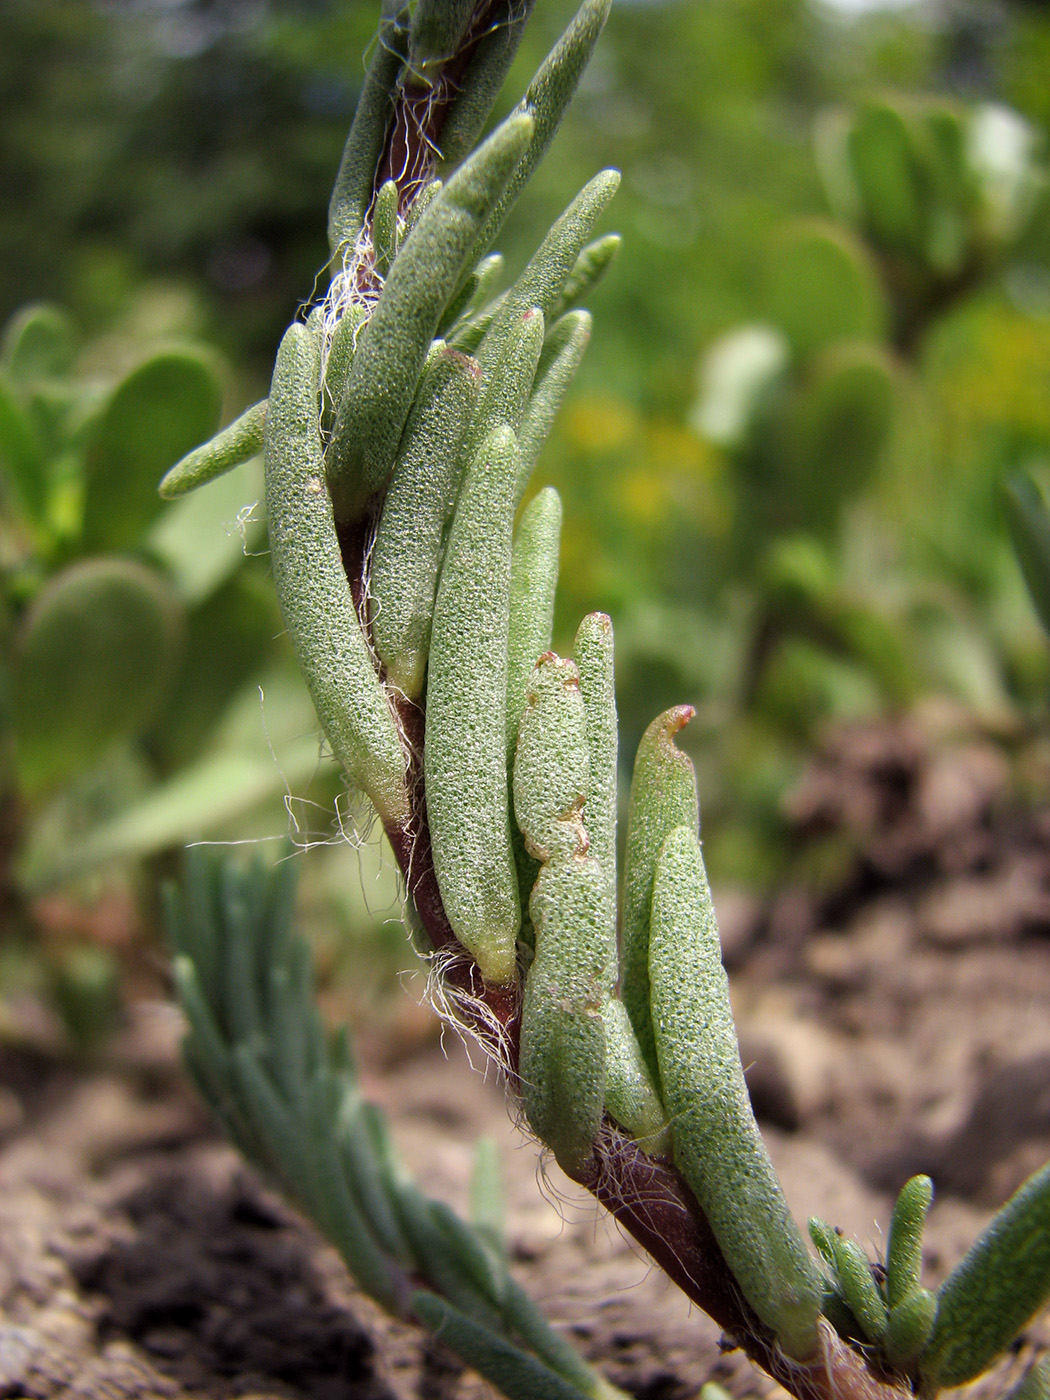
<point>402,423</point>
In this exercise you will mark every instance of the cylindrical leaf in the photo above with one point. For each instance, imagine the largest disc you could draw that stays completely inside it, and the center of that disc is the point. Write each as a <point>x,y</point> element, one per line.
<point>859,1288</point>
<point>533,579</point>
<point>717,1145</point>
<point>465,751</point>
<point>910,1324</point>
<point>904,1248</point>
<point>419,503</point>
<point>394,344</point>
<point>552,761</point>
<point>590,267</point>
<point>554,374</point>
<point>507,377</point>
<point>235,444</point>
<point>630,1094</point>
<point>355,182</point>
<point>312,586</point>
<point>437,28</point>
<point>593,653</point>
<point>384,227</point>
<point>481,82</point>
<point>991,1294</point>
<point>663,796</point>
<point>562,1062</point>
<point>546,100</point>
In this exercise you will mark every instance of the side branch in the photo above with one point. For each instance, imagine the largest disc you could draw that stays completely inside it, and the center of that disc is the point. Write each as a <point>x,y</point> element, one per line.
<point>651,1201</point>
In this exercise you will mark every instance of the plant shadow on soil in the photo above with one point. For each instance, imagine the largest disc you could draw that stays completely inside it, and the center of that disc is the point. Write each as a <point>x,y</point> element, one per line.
<point>894,1008</point>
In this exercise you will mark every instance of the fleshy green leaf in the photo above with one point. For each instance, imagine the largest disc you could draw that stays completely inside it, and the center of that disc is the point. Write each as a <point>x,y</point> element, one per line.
<point>904,1247</point>
<point>991,1294</point>
<point>38,344</point>
<point>588,270</point>
<point>153,418</point>
<point>312,586</point>
<point>418,505</point>
<point>437,28</point>
<point>465,752</point>
<point>717,1145</point>
<point>909,1327</point>
<point>546,101</point>
<point>507,378</point>
<point>545,275</point>
<point>384,227</point>
<point>481,82</point>
<point>663,796</point>
<point>533,580</point>
<point>393,346</point>
<point>563,1054</point>
<point>858,1287</point>
<point>93,659</point>
<point>631,1097</point>
<point>555,372</point>
<point>823,288</point>
<point>234,445</point>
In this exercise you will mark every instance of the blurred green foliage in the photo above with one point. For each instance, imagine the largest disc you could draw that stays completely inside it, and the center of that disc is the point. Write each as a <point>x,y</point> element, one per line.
<point>825,342</point>
<point>826,412</point>
<point>132,632</point>
<point>129,631</point>
<point>1028,517</point>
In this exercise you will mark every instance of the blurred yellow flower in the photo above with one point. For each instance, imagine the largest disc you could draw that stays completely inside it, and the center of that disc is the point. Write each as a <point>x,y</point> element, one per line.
<point>598,424</point>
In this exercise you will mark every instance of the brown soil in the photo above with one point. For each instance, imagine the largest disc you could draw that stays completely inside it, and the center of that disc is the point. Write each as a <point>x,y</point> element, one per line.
<point>894,1007</point>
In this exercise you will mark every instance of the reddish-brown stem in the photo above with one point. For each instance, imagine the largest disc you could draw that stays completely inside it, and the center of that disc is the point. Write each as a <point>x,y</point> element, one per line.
<point>412,145</point>
<point>652,1202</point>
<point>410,842</point>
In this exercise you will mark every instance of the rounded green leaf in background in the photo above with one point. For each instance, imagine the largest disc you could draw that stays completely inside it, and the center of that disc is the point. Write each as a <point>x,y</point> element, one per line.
<point>37,343</point>
<point>941,135</point>
<point>230,636</point>
<point>93,659</point>
<point>823,288</point>
<point>154,416</point>
<point>838,427</point>
<point>889,178</point>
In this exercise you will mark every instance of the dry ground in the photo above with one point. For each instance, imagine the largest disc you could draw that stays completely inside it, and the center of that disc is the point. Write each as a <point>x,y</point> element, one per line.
<point>894,1007</point>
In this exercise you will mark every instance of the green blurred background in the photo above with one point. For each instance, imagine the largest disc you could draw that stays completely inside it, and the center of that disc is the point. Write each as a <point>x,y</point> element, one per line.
<point>824,344</point>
